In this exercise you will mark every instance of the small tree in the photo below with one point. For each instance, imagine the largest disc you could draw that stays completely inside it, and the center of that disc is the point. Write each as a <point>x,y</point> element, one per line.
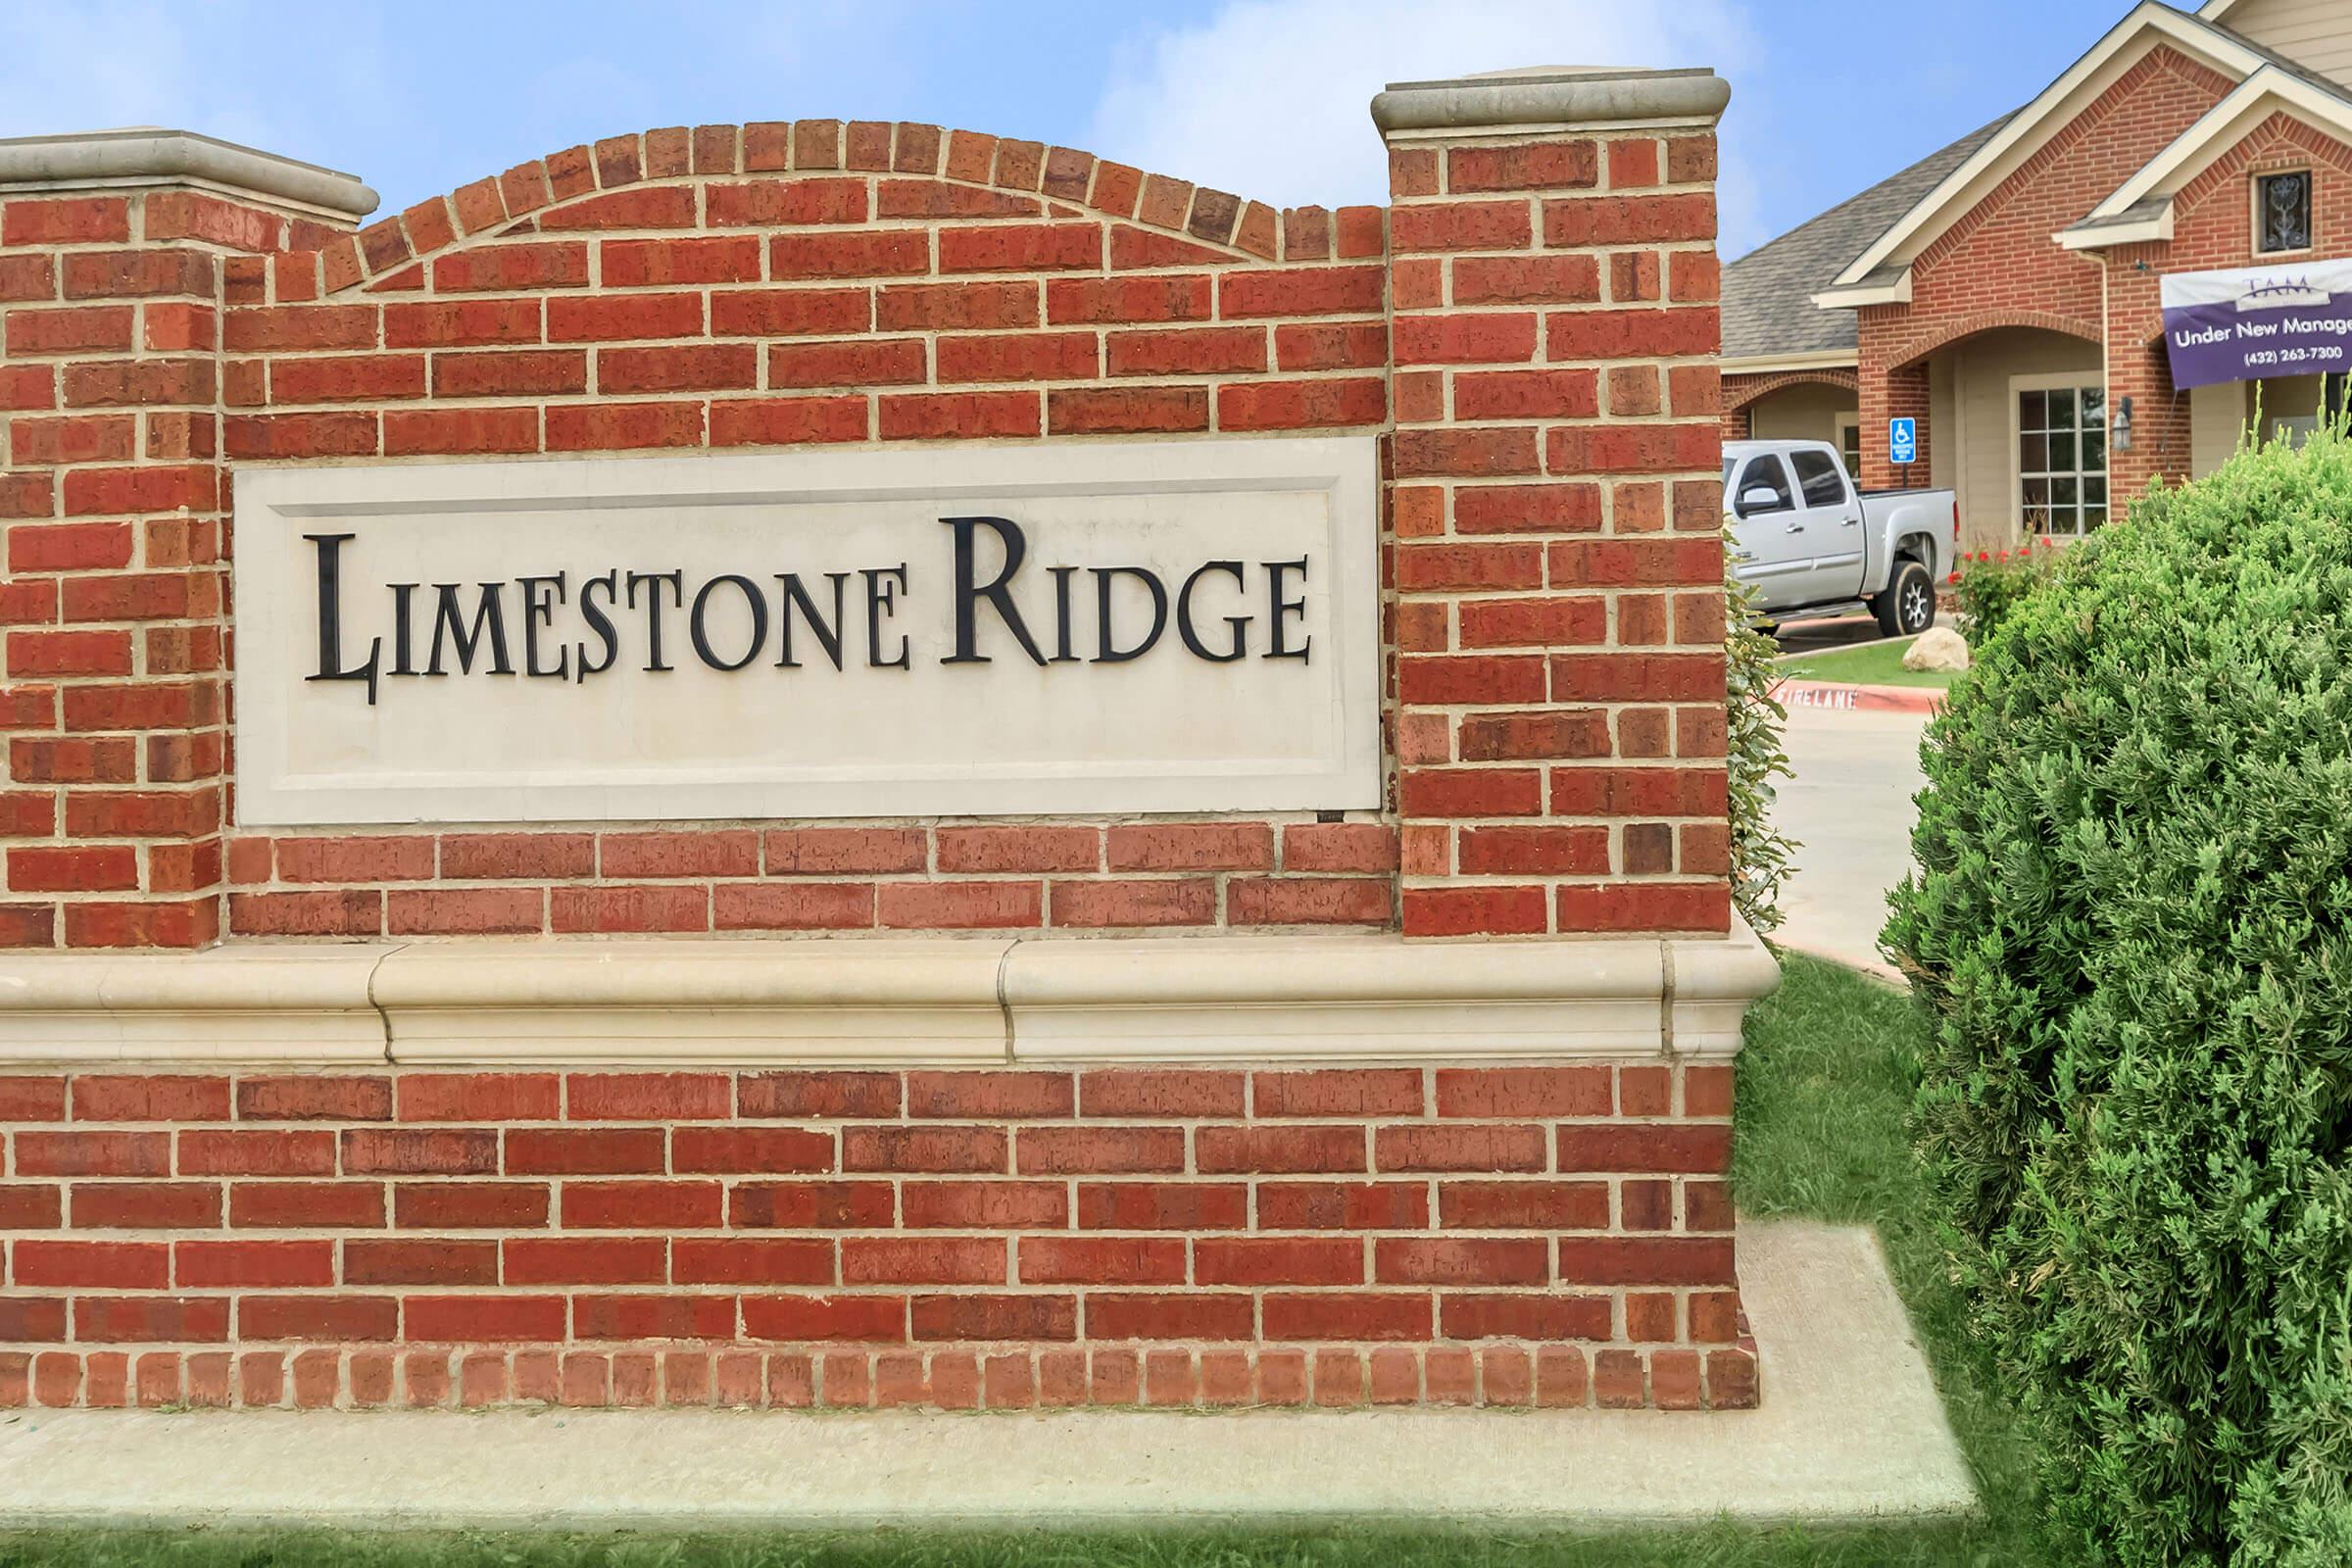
<point>1761,852</point>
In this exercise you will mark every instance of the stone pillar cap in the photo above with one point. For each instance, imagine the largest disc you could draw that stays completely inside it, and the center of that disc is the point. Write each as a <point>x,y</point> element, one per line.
<point>151,154</point>
<point>1556,96</point>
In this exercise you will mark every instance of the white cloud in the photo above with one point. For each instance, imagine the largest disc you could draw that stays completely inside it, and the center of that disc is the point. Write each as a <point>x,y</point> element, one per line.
<point>1269,98</point>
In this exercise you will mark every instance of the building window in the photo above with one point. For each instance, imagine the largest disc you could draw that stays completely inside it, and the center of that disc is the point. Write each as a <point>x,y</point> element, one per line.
<point>2288,410</point>
<point>2283,211</point>
<point>2060,459</point>
<point>1849,445</point>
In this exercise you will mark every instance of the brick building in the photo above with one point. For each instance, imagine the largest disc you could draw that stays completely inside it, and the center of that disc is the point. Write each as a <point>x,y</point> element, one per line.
<point>2003,292</point>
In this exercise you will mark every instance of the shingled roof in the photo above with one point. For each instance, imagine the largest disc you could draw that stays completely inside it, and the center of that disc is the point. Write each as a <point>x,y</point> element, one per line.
<point>1768,308</point>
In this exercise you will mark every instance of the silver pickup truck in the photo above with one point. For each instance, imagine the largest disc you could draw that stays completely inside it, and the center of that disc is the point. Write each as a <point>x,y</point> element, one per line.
<point>1809,542</point>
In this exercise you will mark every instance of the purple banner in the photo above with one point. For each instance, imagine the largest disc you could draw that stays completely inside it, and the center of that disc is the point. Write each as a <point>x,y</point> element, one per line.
<point>2258,321</point>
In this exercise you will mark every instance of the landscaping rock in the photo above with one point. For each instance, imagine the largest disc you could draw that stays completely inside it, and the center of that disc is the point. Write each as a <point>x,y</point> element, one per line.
<point>1937,648</point>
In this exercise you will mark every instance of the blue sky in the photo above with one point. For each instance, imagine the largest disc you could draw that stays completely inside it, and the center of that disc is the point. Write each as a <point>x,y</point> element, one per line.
<point>1263,97</point>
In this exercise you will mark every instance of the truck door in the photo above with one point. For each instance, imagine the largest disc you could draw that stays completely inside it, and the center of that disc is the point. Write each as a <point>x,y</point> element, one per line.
<point>1768,534</point>
<point>1832,517</point>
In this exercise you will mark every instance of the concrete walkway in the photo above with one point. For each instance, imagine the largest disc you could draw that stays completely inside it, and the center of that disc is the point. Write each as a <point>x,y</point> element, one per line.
<point>1850,1427</point>
<point>1850,811</point>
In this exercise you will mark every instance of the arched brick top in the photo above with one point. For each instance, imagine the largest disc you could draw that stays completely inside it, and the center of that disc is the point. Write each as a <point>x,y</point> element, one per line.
<point>1532,362</point>
<point>1024,179</point>
<point>2281,141</point>
<point>1946,334</point>
<point>1738,391</point>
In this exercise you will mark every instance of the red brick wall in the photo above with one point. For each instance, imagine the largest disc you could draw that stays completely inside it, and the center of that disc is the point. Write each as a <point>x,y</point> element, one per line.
<point>114,701</point>
<point>2212,230</point>
<point>1559,514</point>
<point>1891,394</point>
<point>1502,1236</point>
<point>2000,256</point>
<point>821,282</point>
<point>1553,699</point>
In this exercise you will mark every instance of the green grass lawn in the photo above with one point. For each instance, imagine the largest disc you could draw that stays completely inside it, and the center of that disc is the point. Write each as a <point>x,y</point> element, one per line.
<point>1824,1087</point>
<point>1872,664</point>
<point>1821,1091</point>
<point>1716,1548</point>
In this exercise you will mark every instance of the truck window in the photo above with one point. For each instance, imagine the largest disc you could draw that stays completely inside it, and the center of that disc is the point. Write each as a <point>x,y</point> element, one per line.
<point>1763,471</point>
<point>1819,475</point>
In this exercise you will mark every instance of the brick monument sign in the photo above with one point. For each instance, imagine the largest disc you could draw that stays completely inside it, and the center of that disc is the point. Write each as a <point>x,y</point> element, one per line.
<point>843,763</point>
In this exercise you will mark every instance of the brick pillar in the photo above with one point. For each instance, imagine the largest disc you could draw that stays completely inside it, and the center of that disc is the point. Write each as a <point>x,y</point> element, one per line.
<point>1556,560</point>
<point>1891,394</point>
<point>115,502</point>
<point>2137,368</point>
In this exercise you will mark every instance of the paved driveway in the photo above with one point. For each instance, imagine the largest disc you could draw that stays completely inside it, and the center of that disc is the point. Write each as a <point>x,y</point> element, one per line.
<point>1820,636</point>
<point>1851,810</point>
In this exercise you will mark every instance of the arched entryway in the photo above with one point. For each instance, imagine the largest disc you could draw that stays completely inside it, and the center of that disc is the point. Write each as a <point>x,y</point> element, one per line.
<point>2019,411</point>
<point>1814,405</point>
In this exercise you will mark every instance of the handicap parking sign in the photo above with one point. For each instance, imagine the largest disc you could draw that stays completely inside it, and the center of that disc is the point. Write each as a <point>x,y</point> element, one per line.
<point>1902,441</point>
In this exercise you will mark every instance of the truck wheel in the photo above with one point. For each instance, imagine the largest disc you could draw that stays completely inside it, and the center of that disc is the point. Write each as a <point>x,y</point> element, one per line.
<point>1908,605</point>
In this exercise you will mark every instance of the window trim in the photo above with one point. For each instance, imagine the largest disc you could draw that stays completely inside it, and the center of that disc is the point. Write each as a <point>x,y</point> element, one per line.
<point>1843,422</point>
<point>2311,211</point>
<point>2043,381</point>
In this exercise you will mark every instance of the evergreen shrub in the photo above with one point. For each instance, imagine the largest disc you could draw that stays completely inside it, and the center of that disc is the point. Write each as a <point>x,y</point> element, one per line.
<point>2131,922</point>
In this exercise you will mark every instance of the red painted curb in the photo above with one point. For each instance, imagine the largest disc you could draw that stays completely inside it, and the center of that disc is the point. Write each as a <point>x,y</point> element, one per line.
<point>1875,699</point>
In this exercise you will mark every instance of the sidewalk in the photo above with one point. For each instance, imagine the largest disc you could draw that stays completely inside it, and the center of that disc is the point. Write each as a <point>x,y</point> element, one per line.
<point>1850,1427</point>
<point>1851,810</point>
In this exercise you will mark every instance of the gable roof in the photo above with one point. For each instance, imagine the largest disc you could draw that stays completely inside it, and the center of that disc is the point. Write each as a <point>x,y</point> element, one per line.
<point>1768,309</point>
<point>2142,208</point>
<point>1879,273</point>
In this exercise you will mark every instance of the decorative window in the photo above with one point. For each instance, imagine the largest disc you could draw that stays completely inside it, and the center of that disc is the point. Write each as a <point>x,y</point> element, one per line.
<point>2283,211</point>
<point>2060,459</point>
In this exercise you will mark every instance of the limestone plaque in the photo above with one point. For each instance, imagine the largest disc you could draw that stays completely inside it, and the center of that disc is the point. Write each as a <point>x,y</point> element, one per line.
<point>973,630</point>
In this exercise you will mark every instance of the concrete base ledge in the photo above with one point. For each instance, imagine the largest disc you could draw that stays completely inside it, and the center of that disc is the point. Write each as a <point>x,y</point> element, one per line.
<point>1562,97</point>
<point>1852,1429</point>
<point>147,155</point>
<point>834,1002</point>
